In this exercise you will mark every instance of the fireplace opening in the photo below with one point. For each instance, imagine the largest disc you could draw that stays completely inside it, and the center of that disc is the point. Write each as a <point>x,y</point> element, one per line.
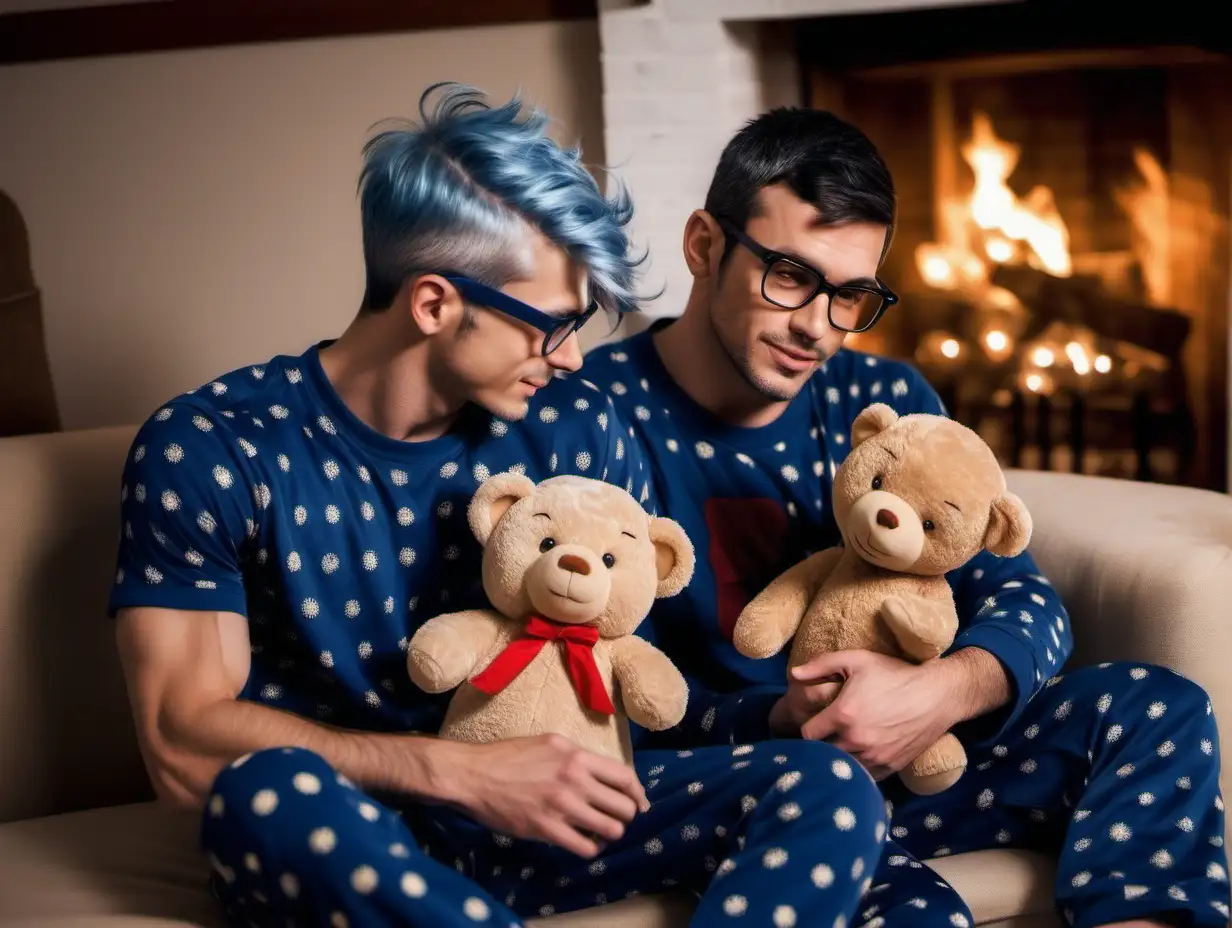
<point>1062,251</point>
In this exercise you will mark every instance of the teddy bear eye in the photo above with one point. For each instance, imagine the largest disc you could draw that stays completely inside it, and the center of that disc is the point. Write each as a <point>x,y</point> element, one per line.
<point>547,544</point>
<point>877,482</point>
<point>609,561</point>
<point>928,525</point>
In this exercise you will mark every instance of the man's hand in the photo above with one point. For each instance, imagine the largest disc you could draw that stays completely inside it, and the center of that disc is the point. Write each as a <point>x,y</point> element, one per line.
<point>803,700</point>
<point>886,711</point>
<point>546,788</point>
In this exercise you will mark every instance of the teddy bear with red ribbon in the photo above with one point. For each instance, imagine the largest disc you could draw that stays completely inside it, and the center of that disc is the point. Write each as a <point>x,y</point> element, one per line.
<point>571,567</point>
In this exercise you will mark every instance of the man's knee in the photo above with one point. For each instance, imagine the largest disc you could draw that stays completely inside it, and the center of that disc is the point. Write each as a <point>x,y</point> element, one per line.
<point>806,774</point>
<point>1167,690</point>
<point>270,797</point>
<point>256,779</point>
<point>821,759</point>
<point>1177,692</point>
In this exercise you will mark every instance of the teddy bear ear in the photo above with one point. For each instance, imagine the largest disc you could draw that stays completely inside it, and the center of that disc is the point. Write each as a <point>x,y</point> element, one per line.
<point>673,556</point>
<point>493,499</point>
<point>1009,527</point>
<point>871,421</point>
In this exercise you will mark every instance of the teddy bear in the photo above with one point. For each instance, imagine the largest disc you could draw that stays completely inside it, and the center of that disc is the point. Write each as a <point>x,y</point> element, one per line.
<point>918,496</point>
<point>571,567</point>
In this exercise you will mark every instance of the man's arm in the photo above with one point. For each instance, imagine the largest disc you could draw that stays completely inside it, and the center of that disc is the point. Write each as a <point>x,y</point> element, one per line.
<point>1011,617</point>
<point>184,671</point>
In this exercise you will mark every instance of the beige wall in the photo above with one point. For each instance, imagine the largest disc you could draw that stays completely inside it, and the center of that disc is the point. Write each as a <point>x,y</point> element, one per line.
<point>194,211</point>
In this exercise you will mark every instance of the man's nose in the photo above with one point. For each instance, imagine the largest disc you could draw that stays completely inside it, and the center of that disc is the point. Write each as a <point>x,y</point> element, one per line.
<point>568,357</point>
<point>812,321</point>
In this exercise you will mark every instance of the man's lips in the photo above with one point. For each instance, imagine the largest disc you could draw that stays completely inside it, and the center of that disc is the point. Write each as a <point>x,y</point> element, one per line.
<point>793,357</point>
<point>798,355</point>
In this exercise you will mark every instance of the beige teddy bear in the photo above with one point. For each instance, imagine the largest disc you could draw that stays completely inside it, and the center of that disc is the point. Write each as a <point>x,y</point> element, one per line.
<point>572,567</point>
<point>917,497</point>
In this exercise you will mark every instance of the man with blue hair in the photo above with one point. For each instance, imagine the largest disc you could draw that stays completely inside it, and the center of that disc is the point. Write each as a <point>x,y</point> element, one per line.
<point>288,526</point>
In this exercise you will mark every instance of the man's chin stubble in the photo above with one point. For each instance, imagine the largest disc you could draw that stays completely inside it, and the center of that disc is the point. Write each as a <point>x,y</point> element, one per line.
<point>763,386</point>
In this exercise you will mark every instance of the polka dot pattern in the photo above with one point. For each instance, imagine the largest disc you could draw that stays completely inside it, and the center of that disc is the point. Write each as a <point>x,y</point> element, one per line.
<point>344,853</point>
<point>266,496</point>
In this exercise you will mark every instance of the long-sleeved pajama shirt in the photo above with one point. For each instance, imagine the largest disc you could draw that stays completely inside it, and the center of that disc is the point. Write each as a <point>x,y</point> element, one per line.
<point>1114,767</point>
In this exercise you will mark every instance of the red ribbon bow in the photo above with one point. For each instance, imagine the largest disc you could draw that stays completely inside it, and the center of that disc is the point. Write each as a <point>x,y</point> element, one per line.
<point>579,642</point>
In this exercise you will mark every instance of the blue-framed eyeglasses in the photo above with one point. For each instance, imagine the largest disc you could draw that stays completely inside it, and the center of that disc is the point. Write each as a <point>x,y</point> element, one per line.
<point>555,329</point>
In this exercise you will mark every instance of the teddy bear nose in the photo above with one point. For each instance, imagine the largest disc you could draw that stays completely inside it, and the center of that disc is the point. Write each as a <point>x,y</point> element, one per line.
<point>887,519</point>
<point>574,564</point>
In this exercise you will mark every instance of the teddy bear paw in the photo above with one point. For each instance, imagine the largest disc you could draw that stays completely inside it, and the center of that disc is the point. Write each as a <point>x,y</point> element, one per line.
<point>754,640</point>
<point>931,783</point>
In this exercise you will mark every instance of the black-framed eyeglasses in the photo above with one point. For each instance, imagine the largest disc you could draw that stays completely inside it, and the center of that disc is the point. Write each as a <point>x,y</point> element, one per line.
<point>791,284</point>
<point>555,329</point>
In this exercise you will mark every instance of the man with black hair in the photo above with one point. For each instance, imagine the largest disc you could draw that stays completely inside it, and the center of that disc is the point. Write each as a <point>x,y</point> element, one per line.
<point>745,404</point>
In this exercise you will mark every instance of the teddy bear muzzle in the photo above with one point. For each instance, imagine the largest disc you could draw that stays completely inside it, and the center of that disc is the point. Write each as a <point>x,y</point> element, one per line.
<point>885,530</point>
<point>569,583</point>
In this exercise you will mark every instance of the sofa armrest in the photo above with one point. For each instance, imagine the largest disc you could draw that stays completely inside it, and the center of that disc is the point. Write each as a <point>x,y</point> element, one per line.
<point>1145,571</point>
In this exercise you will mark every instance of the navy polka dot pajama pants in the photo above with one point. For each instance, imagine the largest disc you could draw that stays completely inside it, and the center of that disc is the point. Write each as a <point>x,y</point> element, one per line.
<point>776,834</point>
<point>1116,769</point>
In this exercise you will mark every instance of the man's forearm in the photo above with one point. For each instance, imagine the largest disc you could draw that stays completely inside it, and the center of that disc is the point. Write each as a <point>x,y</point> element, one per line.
<point>206,741</point>
<point>978,681</point>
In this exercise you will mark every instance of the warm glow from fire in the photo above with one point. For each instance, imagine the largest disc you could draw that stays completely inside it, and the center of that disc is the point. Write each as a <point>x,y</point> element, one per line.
<point>1147,203</point>
<point>1042,357</point>
<point>995,208</point>
<point>1010,224</point>
<point>993,226</point>
<point>1078,357</point>
<point>935,269</point>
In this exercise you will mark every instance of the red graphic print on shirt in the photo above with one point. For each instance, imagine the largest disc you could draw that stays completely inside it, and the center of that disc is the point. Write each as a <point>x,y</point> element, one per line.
<point>747,537</point>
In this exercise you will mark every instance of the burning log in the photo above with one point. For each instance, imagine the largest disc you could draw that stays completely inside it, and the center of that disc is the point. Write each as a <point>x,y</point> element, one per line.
<point>1084,301</point>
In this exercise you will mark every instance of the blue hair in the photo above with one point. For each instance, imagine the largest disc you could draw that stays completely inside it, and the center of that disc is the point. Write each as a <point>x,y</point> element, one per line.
<point>457,192</point>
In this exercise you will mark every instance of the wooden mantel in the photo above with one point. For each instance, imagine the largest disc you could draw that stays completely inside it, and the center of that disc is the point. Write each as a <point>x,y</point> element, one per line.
<point>164,25</point>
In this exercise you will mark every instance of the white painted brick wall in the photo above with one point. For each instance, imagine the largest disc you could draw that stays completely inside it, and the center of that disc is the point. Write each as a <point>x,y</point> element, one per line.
<point>674,92</point>
<point>680,77</point>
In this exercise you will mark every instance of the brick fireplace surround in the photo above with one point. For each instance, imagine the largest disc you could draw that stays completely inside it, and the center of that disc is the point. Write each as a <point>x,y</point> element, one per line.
<point>680,77</point>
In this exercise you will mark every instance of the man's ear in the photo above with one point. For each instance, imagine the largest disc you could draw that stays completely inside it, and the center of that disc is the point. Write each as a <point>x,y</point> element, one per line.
<point>493,499</point>
<point>703,244</point>
<point>673,556</point>
<point>872,420</point>
<point>433,302</point>
<point>1009,527</point>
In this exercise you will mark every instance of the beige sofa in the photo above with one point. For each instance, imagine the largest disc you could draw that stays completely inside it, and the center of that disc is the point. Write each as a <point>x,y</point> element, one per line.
<point>1146,571</point>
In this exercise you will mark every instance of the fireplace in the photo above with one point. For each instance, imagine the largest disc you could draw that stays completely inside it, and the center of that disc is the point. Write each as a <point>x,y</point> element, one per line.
<point>1063,250</point>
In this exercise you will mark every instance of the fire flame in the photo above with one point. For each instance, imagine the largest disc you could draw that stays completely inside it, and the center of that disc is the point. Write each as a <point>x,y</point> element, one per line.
<point>1008,223</point>
<point>995,208</point>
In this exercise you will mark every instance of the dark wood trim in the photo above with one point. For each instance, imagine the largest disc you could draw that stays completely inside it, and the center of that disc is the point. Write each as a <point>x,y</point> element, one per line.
<point>163,25</point>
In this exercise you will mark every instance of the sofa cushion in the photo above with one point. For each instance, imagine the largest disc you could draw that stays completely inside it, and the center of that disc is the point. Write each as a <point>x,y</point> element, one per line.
<point>138,866</point>
<point>67,740</point>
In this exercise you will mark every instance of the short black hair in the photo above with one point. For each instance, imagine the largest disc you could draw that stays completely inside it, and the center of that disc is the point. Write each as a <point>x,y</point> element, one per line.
<point>823,159</point>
